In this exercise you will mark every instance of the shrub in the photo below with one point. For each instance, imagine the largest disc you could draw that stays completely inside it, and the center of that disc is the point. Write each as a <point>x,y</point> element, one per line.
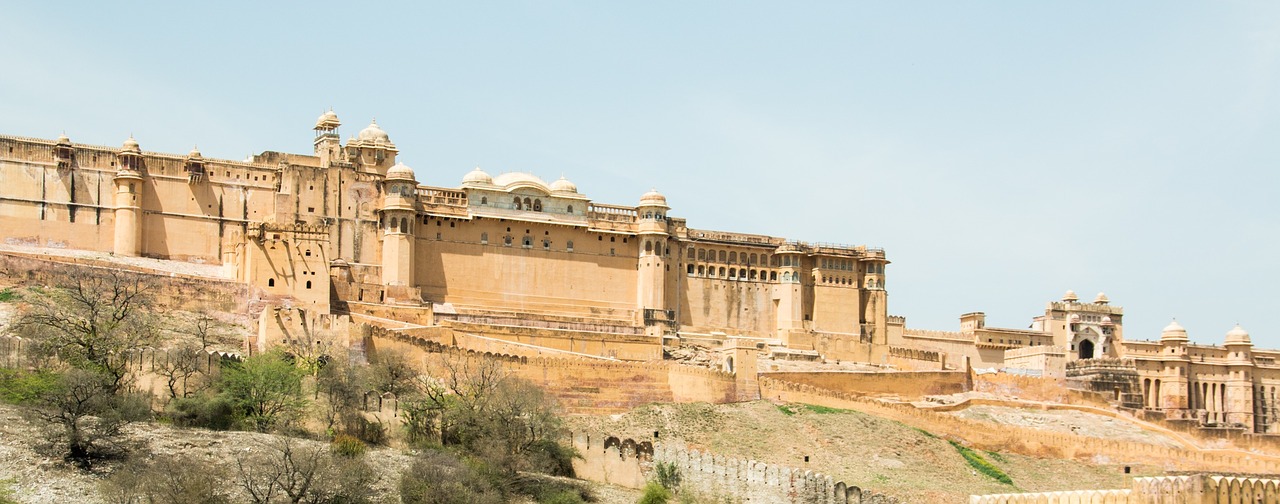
<point>206,410</point>
<point>667,475</point>
<point>551,457</point>
<point>565,497</point>
<point>8,295</point>
<point>6,492</point>
<point>168,480</point>
<point>440,478</point>
<point>976,461</point>
<point>24,387</point>
<point>655,493</point>
<point>347,446</point>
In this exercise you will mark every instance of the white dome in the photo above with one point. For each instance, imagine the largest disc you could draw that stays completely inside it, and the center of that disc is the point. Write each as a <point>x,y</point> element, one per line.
<point>1106,320</point>
<point>653,198</point>
<point>1173,331</point>
<point>373,133</point>
<point>400,172</point>
<point>131,145</point>
<point>564,185</point>
<point>1075,318</point>
<point>1238,336</point>
<point>1101,299</point>
<point>517,179</point>
<point>328,120</point>
<point>1070,297</point>
<point>195,153</point>
<point>477,176</point>
<point>63,139</point>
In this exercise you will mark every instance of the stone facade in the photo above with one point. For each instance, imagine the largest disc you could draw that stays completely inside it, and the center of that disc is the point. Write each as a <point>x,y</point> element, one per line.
<point>348,224</point>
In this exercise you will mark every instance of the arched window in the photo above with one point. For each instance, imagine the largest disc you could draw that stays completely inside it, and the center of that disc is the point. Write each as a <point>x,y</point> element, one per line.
<point>702,254</point>
<point>691,253</point>
<point>722,272</point>
<point>528,204</point>
<point>786,276</point>
<point>546,244</point>
<point>271,282</point>
<point>537,205</point>
<point>569,245</point>
<point>484,238</point>
<point>569,209</point>
<point>773,276</point>
<point>308,284</point>
<point>702,270</point>
<point>527,242</point>
<point>733,273</point>
<point>518,205</point>
<point>506,240</point>
<point>753,274</point>
<point>690,268</point>
<point>648,247</point>
<point>723,256</point>
<point>733,257</point>
<point>484,200</point>
<point>404,225</point>
<point>308,252</point>
<point>752,260</point>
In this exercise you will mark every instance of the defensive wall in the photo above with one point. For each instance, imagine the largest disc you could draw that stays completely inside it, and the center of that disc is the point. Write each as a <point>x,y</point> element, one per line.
<point>583,386</point>
<point>626,462</point>
<point>901,383</point>
<point>1023,440</point>
<point>1191,489</point>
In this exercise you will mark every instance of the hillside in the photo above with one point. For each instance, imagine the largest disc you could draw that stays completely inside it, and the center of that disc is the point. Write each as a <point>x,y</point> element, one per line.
<point>859,449</point>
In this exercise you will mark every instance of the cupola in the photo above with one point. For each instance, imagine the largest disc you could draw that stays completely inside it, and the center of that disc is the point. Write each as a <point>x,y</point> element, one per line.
<point>400,172</point>
<point>1238,336</point>
<point>477,177</point>
<point>1101,299</point>
<point>1070,297</point>
<point>564,185</point>
<point>1173,332</point>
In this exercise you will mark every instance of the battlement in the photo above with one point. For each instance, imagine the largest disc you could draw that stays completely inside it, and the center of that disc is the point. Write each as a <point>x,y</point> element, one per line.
<point>1190,488</point>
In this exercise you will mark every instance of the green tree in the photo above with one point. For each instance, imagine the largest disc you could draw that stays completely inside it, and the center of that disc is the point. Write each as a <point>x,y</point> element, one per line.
<point>89,411</point>
<point>265,389</point>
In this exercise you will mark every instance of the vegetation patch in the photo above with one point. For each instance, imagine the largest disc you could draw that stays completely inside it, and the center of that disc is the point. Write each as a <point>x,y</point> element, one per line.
<point>976,461</point>
<point>8,295</point>
<point>786,409</point>
<point>824,410</point>
<point>996,456</point>
<point>925,432</point>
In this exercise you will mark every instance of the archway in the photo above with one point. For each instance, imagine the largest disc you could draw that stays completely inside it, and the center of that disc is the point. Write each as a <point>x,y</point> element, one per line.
<point>1086,349</point>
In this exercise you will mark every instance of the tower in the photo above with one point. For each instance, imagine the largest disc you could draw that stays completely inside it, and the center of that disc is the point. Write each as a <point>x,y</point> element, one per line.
<point>788,295</point>
<point>399,214</point>
<point>327,143</point>
<point>1168,389</point>
<point>128,203</point>
<point>875,302</point>
<point>652,270</point>
<point>372,150</point>
<point>1240,394</point>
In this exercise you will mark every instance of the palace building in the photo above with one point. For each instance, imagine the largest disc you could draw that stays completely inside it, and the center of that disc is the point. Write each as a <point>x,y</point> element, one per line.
<point>346,229</point>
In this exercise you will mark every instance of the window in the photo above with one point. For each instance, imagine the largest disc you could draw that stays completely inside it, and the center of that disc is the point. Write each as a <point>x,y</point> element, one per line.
<point>271,282</point>
<point>527,242</point>
<point>569,209</point>
<point>484,200</point>
<point>569,245</point>
<point>484,238</point>
<point>404,225</point>
<point>648,247</point>
<point>308,254</point>
<point>722,272</point>
<point>506,240</point>
<point>537,205</point>
<point>690,268</point>
<point>702,270</point>
<point>723,256</point>
<point>546,244</point>
<point>528,204</point>
<point>702,254</point>
<point>612,251</point>
<point>308,284</point>
<point>518,206</point>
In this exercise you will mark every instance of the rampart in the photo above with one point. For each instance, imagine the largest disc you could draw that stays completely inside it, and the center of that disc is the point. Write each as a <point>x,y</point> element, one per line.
<point>583,386</point>
<point>1191,489</point>
<point>906,384</point>
<point>1023,440</point>
<point>630,463</point>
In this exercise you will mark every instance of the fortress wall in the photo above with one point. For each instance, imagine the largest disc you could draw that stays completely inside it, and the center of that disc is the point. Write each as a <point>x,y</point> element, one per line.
<point>697,384</point>
<point>1191,489</point>
<point>630,463</point>
<point>171,291</point>
<point>848,347</point>
<point>603,344</point>
<point>907,384</point>
<point>1033,388</point>
<point>417,315</point>
<point>1023,440</point>
<point>458,268</point>
<point>737,307</point>
<point>836,308</point>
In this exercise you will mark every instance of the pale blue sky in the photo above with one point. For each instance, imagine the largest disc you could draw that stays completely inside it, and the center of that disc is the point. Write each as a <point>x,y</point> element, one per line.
<point>1002,152</point>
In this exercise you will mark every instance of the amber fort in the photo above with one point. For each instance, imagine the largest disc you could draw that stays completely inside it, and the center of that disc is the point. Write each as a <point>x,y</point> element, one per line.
<point>590,298</point>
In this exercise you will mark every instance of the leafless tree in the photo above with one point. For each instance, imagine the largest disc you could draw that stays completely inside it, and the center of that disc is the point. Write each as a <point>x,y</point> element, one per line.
<point>179,367</point>
<point>283,470</point>
<point>88,413</point>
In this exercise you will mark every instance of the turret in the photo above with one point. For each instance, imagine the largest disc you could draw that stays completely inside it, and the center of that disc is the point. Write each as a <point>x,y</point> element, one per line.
<point>399,214</point>
<point>789,292</point>
<point>372,150</point>
<point>1239,400</point>
<point>327,143</point>
<point>128,201</point>
<point>652,270</point>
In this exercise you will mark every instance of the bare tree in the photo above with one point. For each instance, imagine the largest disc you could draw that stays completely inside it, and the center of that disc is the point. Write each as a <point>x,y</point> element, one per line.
<point>179,367</point>
<point>283,470</point>
<point>95,322</point>
<point>88,412</point>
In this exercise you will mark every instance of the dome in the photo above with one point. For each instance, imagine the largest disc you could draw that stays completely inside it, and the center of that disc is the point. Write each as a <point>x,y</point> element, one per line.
<point>63,139</point>
<point>653,198</point>
<point>373,133</point>
<point>1238,336</point>
<point>477,176</point>
<point>1173,332</point>
<point>400,172</point>
<point>327,120</point>
<point>563,185</point>
<point>131,145</point>
<point>194,154</point>
<point>1101,299</point>
<point>1070,297</point>
<point>1106,320</point>
<point>513,180</point>
<point>1075,318</point>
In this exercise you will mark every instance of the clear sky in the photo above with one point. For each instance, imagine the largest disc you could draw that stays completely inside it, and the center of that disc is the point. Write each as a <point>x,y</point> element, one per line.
<point>1002,152</point>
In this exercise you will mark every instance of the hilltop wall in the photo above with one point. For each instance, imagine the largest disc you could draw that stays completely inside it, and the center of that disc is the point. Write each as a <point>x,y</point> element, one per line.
<point>1024,440</point>
<point>583,385</point>
<point>1192,489</point>
<point>630,463</point>
<point>907,384</point>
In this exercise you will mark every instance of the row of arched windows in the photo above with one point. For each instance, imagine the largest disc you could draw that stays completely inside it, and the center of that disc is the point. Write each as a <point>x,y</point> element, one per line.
<point>730,257</point>
<point>393,224</point>
<point>838,280</point>
<point>734,273</point>
<point>526,242</point>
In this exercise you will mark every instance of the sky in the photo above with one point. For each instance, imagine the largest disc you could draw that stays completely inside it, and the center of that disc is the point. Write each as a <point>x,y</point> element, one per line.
<point>1001,152</point>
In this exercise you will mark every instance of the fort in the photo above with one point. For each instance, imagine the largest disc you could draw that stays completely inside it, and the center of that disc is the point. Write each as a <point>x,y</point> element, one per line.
<point>587,298</point>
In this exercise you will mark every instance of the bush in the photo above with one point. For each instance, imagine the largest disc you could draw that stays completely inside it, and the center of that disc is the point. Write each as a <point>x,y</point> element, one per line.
<point>6,492</point>
<point>24,387</point>
<point>655,493</point>
<point>565,497</point>
<point>667,475</point>
<point>168,480</point>
<point>440,478</point>
<point>976,461</point>
<point>207,411</point>
<point>265,390</point>
<point>347,446</point>
<point>550,457</point>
